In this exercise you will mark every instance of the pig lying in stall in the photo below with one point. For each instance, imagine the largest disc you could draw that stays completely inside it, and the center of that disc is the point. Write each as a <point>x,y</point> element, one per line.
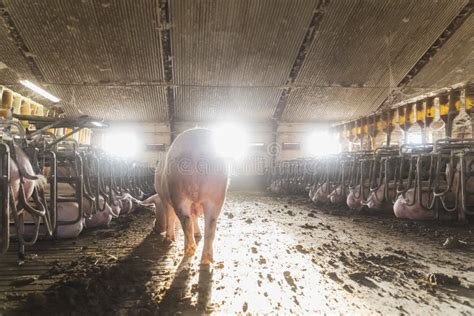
<point>338,195</point>
<point>409,207</point>
<point>320,194</point>
<point>376,200</point>
<point>66,211</point>
<point>193,181</point>
<point>355,198</point>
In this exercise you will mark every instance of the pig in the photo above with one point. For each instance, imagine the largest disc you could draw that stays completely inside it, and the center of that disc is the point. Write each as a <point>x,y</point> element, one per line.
<point>321,195</point>
<point>23,166</point>
<point>116,207</point>
<point>403,208</point>
<point>69,211</point>
<point>193,181</point>
<point>376,199</point>
<point>66,212</point>
<point>128,203</point>
<point>338,195</point>
<point>467,197</point>
<point>354,198</point>
<point>99,218</point>
<point>160,216</point>
<point>274,187</point>
<point>30,179</point>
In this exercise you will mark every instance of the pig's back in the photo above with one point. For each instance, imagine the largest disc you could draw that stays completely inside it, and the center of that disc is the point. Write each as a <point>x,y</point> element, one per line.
<point>192,144</point>
<point>192,167</point>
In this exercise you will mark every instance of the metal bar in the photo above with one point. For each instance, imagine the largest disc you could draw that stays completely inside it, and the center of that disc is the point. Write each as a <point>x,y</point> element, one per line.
<point>5,198</point>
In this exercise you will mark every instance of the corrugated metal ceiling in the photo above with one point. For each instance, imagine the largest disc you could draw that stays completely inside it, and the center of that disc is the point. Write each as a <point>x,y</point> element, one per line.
<point>12,63</point>
<point>231,59</point>
<point>238,43</point>
<point>331,103</point>
<point>363,44</point>
<point>91,41</point>
<point>221,103</point>
<point>136,103</point>
<point>453,64</point>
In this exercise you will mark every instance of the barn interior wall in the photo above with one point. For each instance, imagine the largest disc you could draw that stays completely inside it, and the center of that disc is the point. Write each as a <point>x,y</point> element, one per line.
<point>296,133</point>
<point>146,134</point>
<point>250,168</point>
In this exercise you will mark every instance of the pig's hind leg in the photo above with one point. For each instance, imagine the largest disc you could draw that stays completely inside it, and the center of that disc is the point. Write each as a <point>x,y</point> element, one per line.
<point>170,223</point>
<point>185,215</point>
<point>211,213</point>
<point>197,230</point>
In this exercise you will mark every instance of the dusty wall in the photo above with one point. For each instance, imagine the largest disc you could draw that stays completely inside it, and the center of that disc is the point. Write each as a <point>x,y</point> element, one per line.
<point>257,159</point>
<point>147,133</point>
<point>295,133</point>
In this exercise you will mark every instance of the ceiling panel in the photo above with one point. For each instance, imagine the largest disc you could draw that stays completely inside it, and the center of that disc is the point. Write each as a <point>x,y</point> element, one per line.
<point>220,103</point>
<point>360,45</point>
<point>231,59</point>
<point>239,43</point>
<point>91,41</point>
<point>13,65</point>
<point>374,43</point>
<point>139,103</point>
<point>332,104</point>
<point>452,64</point>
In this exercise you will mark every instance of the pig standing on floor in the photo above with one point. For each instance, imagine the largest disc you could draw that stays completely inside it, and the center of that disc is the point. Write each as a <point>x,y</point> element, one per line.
<point>193,181</point>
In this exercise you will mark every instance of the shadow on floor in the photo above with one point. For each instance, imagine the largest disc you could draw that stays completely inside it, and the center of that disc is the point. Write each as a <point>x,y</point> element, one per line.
<point>135,285</point>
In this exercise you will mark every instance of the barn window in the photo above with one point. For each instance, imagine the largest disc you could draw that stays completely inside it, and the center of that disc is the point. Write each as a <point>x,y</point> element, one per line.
<point>291,146</point>
<point>256,146</point>
<point>155,147</point>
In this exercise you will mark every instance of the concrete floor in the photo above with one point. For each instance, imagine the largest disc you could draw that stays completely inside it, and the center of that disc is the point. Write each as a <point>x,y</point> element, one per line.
<point>274,255</point>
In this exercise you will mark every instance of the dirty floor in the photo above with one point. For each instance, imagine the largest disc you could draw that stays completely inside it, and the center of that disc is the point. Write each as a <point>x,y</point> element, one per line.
<point>274,255</point>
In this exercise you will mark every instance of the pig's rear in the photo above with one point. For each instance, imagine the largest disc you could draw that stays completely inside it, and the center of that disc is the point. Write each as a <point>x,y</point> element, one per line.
<point>193,181</point>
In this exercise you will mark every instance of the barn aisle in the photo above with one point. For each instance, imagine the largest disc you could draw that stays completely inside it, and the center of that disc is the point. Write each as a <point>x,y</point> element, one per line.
<point>273,255</point>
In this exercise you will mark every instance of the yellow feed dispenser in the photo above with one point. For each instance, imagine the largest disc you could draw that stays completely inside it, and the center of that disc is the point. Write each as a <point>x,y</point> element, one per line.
<point>414,125</point>
<point>469,95</point>
<point>438,130</point>
<point>429,118</point>
<point>444,107</point>
<point>59,132</point>
<point>380,126</point>
<point>67,131</point>
<point>462,123</point>
<point>39,110</point>
<point>25,110</point>
<point>7,102</point>
<point>88,136</point>
<point>17,103</point>
<point>397,135</point>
